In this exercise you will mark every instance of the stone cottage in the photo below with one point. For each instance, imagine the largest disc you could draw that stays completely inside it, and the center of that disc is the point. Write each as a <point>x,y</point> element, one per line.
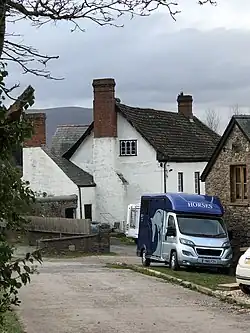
<point>227,175</point>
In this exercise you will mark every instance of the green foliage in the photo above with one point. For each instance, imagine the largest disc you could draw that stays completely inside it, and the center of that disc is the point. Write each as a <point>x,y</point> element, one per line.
<point>15,199</point>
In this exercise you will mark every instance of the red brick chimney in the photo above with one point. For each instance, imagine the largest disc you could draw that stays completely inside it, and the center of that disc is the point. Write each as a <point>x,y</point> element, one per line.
<point>39,128</point>
<point>185,105</point>
<point>105,116</point>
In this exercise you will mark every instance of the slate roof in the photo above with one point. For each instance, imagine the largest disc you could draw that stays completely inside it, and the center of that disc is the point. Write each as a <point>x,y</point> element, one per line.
<point>243,122</point>
<point>65,136</point>
<point>77,175</point>
<point>174,137</point>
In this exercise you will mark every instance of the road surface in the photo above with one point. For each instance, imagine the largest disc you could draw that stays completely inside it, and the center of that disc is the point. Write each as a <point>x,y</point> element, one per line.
<point>83,296</point>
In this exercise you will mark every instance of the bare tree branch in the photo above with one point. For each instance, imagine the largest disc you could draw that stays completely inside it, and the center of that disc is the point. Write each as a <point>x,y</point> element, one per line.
<point>212,120</point>
<point>15,110</point>
<point>40,12</point>
<point>234,110</point>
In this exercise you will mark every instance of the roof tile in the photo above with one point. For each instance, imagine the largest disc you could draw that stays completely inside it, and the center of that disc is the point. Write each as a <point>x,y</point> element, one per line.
<point>174,136</point>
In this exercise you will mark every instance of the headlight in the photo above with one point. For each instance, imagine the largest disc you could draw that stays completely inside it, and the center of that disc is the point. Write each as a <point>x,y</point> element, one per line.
<point>186,242</point>
<point>226,245</point>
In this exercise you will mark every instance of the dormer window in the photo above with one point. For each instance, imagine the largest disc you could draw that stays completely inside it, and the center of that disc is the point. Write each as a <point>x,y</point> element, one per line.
<point>128,147</point>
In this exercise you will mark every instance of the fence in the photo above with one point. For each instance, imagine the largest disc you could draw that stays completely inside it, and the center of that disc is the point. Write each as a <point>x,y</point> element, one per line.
<point>58,225</point>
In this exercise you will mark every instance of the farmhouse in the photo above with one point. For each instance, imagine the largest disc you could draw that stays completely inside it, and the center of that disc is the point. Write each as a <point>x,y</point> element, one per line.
<point>126,151</point>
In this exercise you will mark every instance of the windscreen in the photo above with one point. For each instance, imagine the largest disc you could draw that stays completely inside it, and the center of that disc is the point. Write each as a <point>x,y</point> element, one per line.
<point>201,227</point>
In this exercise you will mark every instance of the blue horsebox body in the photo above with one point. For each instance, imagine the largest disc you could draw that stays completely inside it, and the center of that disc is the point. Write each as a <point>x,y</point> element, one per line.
<point>183,228</point>
<point>184,203</point>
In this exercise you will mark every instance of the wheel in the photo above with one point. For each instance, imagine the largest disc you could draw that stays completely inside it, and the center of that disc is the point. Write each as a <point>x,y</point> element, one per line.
<point>145,261</point>
<point>174,261</point>
<point>245,289</point>
<point>225,270</point>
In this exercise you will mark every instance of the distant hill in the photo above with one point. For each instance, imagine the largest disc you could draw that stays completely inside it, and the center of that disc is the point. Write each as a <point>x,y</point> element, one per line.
<point>69,115</point>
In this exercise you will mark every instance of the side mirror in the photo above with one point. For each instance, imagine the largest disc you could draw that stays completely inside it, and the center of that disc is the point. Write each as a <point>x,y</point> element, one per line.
<point>230,235</point>
<point>171,232</point>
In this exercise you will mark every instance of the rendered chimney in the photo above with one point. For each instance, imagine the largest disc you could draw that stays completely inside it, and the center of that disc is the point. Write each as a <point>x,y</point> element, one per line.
<point>39,128</point>
<point>185,105</point>
<point>105,116</point>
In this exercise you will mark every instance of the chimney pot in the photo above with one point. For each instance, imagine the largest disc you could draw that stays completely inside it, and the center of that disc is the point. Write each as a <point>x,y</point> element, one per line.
<point>185,105</point>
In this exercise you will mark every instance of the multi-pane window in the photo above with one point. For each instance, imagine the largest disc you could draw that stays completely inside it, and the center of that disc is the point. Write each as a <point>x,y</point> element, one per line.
<point>180,181</point>
<point>238,177</point>
<point>197,188</point>
<point>128,147</point>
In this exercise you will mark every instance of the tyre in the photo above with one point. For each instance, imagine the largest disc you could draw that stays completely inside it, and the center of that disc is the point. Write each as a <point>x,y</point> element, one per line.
<point>174,261</point>
<point>145,261</point>
<point>245,289</point>
<point>225,270</point>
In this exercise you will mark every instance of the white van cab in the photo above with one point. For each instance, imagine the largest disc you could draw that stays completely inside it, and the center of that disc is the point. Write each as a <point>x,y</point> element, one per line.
<point>243,272</point>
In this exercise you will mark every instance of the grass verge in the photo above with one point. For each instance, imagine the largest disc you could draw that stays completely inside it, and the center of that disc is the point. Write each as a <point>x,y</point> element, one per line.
<point>123,239</point>
<point>204,278</point>
<point>186,284</point>
<point>11,324</point>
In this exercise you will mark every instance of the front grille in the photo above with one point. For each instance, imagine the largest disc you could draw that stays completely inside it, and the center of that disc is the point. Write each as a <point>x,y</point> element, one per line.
<point>209,252</point>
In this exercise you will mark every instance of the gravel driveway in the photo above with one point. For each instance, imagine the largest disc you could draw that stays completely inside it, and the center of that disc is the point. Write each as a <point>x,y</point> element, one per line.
<point>82,295</point>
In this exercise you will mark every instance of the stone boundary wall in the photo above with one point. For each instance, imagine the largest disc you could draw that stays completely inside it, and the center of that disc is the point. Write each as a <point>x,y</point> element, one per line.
<point>98,243</point>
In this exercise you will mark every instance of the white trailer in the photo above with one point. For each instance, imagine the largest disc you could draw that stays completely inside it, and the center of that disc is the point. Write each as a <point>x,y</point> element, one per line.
<point>132,223</point>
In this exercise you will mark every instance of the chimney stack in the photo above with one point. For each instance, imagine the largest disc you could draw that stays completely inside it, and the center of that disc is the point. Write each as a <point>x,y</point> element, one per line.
<point>185,105</point>
<point>105,116</point>
<point>38,121</point>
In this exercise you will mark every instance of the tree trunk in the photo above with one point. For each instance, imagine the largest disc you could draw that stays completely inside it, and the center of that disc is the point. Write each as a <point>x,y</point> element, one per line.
<point>2,24</point>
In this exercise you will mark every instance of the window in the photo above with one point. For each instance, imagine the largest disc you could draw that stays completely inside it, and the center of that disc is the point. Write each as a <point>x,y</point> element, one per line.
<point>238,178</point>
<point>88,211</point>
<point>128,147</point>
<point>180,181</point>
<point>197,189</point>
<point>171,222</point>
<point>70,213</point>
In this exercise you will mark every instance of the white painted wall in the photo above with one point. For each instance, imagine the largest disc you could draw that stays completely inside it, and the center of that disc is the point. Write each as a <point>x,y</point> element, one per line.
<point>109,191</point>
<point>101,157</point>
<point>188,170</point>
<point>144,173</point>
<point>88,197</point>
<point>83,157</point>
<point>44,175</point>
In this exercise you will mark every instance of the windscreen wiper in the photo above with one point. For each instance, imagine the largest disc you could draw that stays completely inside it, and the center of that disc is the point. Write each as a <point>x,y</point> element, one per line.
<point>220,235</point>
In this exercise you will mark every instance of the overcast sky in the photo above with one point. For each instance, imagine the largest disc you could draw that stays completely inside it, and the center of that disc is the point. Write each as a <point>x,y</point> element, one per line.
<point>204,53</point>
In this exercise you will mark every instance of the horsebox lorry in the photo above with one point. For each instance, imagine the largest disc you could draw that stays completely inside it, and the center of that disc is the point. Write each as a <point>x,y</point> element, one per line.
<point>183,230</point>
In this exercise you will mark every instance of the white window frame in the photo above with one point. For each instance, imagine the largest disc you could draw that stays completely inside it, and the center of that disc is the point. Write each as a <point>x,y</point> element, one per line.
<point>180,182</point>
<point>127,149</point>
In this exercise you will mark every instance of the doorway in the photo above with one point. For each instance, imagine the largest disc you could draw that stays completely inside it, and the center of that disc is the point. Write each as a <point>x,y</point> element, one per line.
<point>88,212</point>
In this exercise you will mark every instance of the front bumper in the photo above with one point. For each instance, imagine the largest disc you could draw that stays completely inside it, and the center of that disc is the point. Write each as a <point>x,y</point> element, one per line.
<point>243,275</point>
<point>187,256</point>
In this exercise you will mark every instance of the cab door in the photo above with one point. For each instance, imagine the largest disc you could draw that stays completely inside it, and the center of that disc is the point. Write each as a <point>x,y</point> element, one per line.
<point>169,236</point>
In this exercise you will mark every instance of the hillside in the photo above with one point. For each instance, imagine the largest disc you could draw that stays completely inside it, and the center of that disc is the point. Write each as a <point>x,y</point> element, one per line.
<point>63,116</point>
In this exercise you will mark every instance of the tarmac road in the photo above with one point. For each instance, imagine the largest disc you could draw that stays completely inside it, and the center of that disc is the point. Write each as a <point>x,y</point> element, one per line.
<point>82,295</point>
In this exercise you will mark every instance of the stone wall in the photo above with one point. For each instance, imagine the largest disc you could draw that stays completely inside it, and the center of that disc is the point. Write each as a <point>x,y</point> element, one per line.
<point>98,243</point>
<point>32,237</point>
<point>53,206</point>
<point>218,183</point>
